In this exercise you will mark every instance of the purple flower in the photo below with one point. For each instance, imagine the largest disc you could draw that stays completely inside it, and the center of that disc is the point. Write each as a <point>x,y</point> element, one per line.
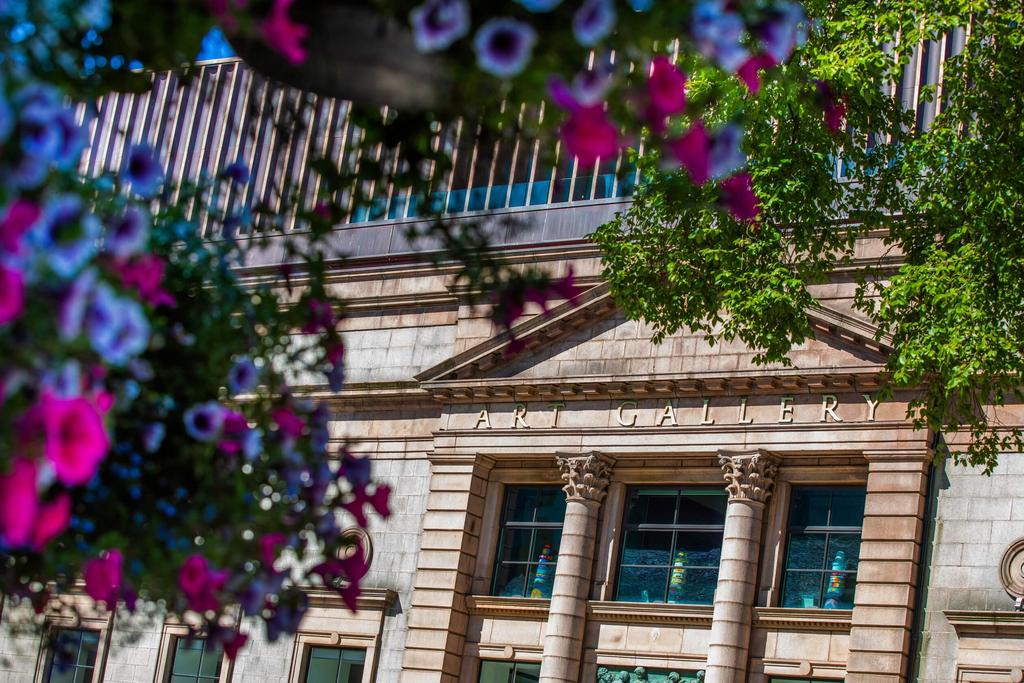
<point>65,237</point>
<point>725,156</point>
<point>116,326</point>
<point>6,119</point>
<point>72,139</point>
<point>336,377</point>
<point>29,173</point>
<point>540,5</point>
<point>142,170</point>
<point>252,444</point>
<point>203,422</point>
<point>593,21</point>
<point>237,172</point>
<point>783,30</point>
<point>64,381</point>
<point>436,24</point>
<point>127,233</point>
<point>71,311</point>
<point>590,87</point>
<point>718,31</point>
<point>242,377</point>
<point>503,46</point>
<point>152,436</point>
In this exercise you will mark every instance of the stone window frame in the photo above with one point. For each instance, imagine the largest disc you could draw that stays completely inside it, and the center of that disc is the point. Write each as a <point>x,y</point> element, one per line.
<point>305,641</point>
<point>776,521</point>
<point>94,620</point>
<point>172,631</point>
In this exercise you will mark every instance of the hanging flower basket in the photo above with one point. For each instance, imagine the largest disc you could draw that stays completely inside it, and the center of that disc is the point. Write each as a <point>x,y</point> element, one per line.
<point>354,54</point>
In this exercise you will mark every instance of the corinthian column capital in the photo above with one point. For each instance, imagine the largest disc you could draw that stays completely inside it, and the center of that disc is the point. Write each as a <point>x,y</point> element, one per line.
<point>749,476</point>
<point>585,476</point>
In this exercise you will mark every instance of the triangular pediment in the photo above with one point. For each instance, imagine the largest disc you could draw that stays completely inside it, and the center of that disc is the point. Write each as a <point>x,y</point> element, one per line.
<point>591,340</point>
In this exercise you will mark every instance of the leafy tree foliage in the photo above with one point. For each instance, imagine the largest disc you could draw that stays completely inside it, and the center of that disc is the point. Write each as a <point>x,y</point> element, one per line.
<point>946,201</point>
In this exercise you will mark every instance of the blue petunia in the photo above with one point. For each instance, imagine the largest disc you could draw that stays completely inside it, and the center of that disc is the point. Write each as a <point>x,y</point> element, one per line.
<point>66,236</point>
<point>593,21</point>
<point>503,46</point>
<point>203,422</point>
<point>436,24</point>
<point>142,169</point>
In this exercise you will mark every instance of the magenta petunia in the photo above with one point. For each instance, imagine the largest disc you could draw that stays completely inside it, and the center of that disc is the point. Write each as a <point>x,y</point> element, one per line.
<point>269,545</point>
<point>19,503</point>
<point>75,440</point>
<point>234,644</point>
<point>103,576</point>
<point>739,198</point>
<point>750,71</point>
<point>53,519</point>
<point>20,216</point>
<point>12,294</point>
<point>692,150</point>
<point>666,92</point>
<point>288,422</point>
<point>284,35</point>
<point>145,274</point>
<point>832,106</point>
<point>589,135</point>
<point>200,585</point>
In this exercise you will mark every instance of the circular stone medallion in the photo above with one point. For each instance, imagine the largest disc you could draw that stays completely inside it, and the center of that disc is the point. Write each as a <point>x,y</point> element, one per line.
<point>1011,569</point>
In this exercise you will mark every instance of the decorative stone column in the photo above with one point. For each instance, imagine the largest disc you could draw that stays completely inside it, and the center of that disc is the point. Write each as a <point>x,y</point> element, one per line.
<point>750,478</point>
<point>586,481</point>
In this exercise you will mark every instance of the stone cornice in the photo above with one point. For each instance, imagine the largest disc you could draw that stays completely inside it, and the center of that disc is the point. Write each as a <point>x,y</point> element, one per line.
<point>378,599</point>
<point>650,613</point>
<point>534,609</point>
<point>765,382</point>
<point>986,623</point>
<point>803,619</point>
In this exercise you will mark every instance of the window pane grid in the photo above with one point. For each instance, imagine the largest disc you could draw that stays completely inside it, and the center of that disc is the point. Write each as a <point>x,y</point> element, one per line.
<point>683,570</point>
<point>73,656</point>
<point>196,661</point>
<point>821,559</point>
<point>528,545</point>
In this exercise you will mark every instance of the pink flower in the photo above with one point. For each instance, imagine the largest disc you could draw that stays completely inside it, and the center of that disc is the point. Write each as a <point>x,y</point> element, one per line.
<point>235,643</point>
<point>738,196</point>
<point>20,216</point>
<point>268,549</point>
<point>833,107</point>
<point>12,294</point>
<point>284,35</point>
<point>750,70</point>
<point>288,422</point>
<point>666,92</point>
<point>75,440</point>
<point>19,503</point>
<point>145,274</point>
<point>589,135</point>
<point>53,519</point>
<point>103,577</point>
<point>199,584</point>
<point>320,316</point>
<point>692,150</point>
<point>336,353</point>
<point>233,430</point>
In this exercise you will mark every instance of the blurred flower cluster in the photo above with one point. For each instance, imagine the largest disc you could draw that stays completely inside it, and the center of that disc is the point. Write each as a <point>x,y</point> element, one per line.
<point>150,443</point>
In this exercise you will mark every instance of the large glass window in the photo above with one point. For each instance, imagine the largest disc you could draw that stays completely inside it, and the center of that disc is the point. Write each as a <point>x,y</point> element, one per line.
<point>195,661</point>
<point>335,665</point>
<point>72,659</point>
<point>672,545</point>
<point>509,672</point>
<point>824,547</point>
<point>531,530</point>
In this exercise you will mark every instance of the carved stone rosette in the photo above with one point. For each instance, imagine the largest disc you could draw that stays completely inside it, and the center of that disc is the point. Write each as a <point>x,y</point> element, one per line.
<point>749,476</point>
<point>585,476</point>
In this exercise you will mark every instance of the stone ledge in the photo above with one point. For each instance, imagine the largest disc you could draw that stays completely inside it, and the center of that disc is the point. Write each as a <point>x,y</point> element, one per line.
<point>519,608</point>
<point>650,613</point>
<point>986,623</point>
<point>369,598</point>
<point>804,619</point>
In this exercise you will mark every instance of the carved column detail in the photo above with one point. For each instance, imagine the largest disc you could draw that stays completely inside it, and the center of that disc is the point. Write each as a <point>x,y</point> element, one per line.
<point>750,478</point>
<point>586,483</point>
<point>585,476</point>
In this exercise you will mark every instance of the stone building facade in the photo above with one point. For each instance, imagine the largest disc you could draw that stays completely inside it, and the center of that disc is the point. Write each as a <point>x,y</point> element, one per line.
<point>594,503</point>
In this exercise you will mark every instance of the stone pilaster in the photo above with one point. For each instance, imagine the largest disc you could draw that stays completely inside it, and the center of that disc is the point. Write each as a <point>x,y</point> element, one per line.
<point>890,552</point>
<point>438,615</point>
<point>586,482</point>
<point>749,478</point>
